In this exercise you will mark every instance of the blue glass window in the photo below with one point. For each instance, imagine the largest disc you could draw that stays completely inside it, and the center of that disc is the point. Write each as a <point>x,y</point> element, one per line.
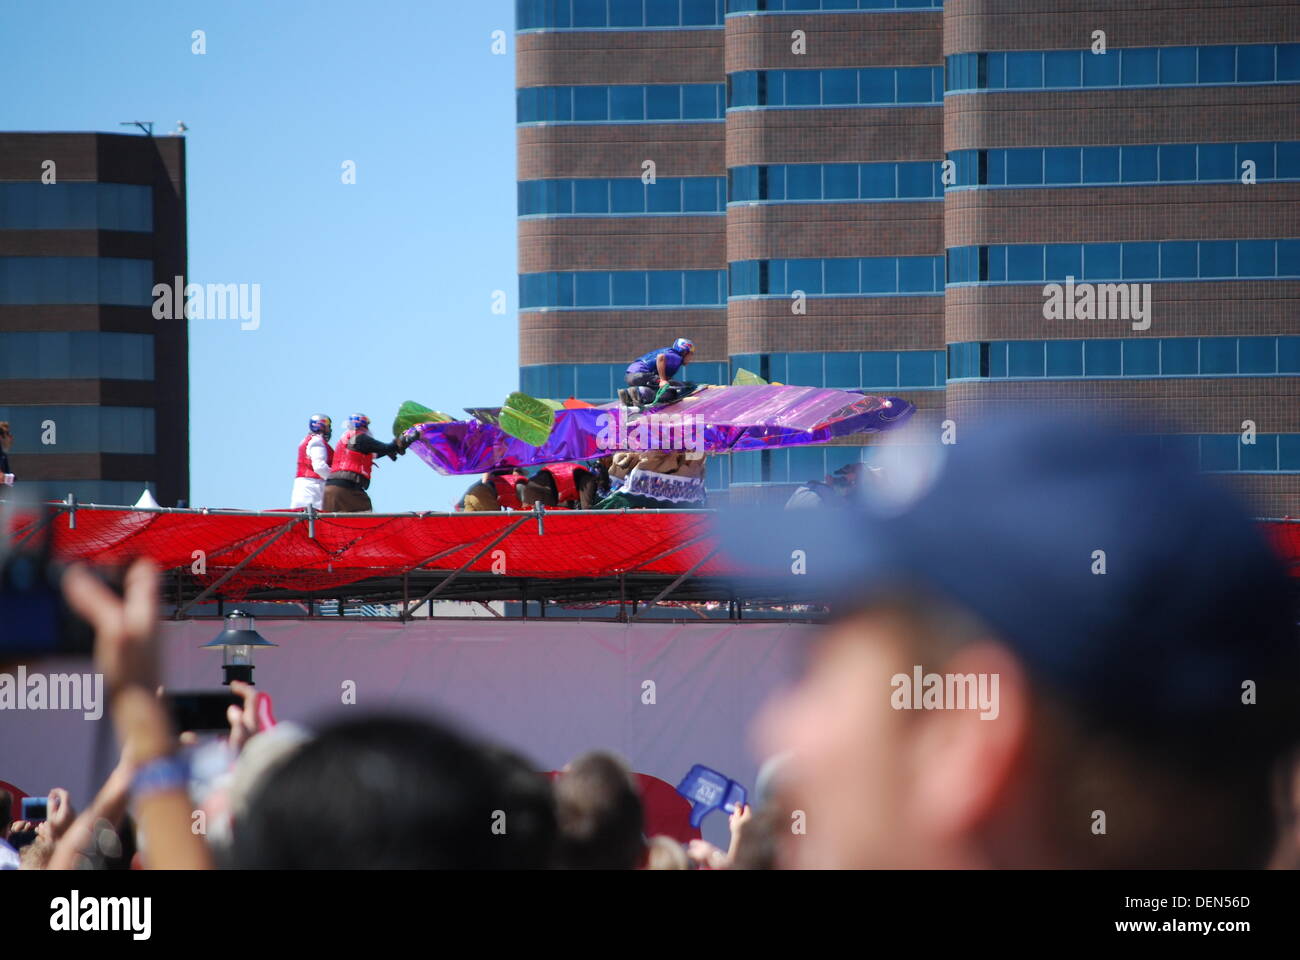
<point>591,196</point>
<point>1255,258</point>
<point>1101,69</point>
<point>1177,162</point>
<point>1061,68</point>
<point>1024,70</point>
<point>1260,455</point>
<point>1180,356</point>
<point>1064,358</point>
<point>839,86</point>
<point>802,87</point>
<point>1178,259</point>
<point>841,275</point>
<point>1217,161</point>
<point>1255,63</point>
<point>1218,258</point>
<point>1288,258</point>
<point>841,181</point>
<point>627,103</point>
<point>1216,64</point>
<point>916,368</point>
<point>1141,261</point>
<point>842,370</point>
<point>1101,164</point>
<point>1025,358</point>
<point>1178,65</point>
<point>591,288</point>
<point>665,287</point>
<point>1024,262</point>
<point>629,288</point>
<point>1218,355</point>
<point>1064,260</point>
<point>1141,358</point>
<point>805,275</point>
<point>1025,166</point>
<point>803,181</point>
<point>1257,355</point>
<point>879,275</point>
<point>1101,261</point>
<point>915,180</point>
<point>915,85</point>
<point>1101,358</point>
<point>1219,453</point>
<point>875,85</point>
<point>1138,67</point>
<point>1062,165</point>
<point>879,369</point>
<point>877,181</point>
<point>1138,164</point>
<point>627,196</point>
<point>1288,62</point>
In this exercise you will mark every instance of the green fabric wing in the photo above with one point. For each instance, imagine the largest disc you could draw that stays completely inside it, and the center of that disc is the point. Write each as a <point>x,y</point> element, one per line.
<point>527,418</point>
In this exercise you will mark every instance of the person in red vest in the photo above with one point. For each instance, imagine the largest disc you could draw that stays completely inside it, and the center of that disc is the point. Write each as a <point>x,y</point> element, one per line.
<point>572,485</point>
<point>314,457</point>
<point>345,490</point>
<point>498,490</point>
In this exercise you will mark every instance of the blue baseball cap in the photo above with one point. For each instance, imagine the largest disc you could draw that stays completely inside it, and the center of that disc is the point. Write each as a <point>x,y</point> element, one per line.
<point>1135,587</point>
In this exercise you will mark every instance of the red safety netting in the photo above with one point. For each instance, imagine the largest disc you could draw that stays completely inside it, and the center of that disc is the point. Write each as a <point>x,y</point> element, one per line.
<point>281,554</point>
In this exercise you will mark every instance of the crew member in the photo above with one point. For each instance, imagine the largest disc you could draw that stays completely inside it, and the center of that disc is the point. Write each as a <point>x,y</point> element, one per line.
<point>648,372</point>
<point>839,489</point>
<point>345,490</point>
<point>500,489</point>
<point>314,457</point>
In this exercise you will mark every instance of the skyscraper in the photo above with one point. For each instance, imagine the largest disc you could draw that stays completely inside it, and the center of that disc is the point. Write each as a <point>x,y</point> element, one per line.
<point>921,200</point>
<point>95,388</point>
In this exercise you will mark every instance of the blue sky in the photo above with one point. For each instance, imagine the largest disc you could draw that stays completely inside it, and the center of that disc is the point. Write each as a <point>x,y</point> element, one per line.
<point>372,293</point>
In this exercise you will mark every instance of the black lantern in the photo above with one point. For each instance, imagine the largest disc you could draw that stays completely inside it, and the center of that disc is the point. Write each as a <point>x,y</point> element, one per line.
<point>237,642</point>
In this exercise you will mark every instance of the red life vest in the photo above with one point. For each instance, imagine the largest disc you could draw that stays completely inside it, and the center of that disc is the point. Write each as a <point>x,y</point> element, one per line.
<point>345,458</point>
<point>507,494</point>
<point>565,489</point>
<point>305,469</point>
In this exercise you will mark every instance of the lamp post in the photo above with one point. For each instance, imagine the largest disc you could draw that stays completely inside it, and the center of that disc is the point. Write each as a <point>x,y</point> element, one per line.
<point>237,642</point>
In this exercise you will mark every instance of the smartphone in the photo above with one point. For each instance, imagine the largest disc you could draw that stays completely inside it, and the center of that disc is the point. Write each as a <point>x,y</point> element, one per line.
<point>202,711</point>
<point>35,809</point>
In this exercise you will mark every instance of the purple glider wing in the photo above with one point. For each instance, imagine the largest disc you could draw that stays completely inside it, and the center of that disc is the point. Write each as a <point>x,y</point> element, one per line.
<point>715,420</point>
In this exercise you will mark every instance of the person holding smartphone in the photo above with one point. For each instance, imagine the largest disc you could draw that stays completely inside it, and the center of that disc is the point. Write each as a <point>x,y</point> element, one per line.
<point>6,441</point>
<point>8,854</point>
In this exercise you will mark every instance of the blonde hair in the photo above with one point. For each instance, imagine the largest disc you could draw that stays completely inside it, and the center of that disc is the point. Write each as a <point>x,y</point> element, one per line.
<point>665,853</point>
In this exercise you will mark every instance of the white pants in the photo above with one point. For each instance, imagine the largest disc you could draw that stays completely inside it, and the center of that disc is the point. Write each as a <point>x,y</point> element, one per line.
<point>308,492</point>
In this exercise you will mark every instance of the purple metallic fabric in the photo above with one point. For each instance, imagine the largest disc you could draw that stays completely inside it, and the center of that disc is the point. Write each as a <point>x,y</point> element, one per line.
<point>715,420</point>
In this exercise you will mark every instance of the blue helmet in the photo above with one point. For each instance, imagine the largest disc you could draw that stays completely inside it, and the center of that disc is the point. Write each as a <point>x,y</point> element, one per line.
<point>359,421</point>
<point>319,423</point>
<point>683,346</point>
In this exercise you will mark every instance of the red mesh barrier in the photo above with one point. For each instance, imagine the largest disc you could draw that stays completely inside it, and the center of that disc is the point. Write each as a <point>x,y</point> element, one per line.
<point>346,550</point>
<point>351,549</point>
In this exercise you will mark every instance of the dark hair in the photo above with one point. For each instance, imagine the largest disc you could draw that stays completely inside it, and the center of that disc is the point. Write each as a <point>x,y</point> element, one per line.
<point>600,815</point>
<point>383,792</point>
<point>528,807</point>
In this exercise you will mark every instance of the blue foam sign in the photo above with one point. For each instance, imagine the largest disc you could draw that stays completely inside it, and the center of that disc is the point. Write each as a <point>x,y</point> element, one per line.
<point>709,790</point>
